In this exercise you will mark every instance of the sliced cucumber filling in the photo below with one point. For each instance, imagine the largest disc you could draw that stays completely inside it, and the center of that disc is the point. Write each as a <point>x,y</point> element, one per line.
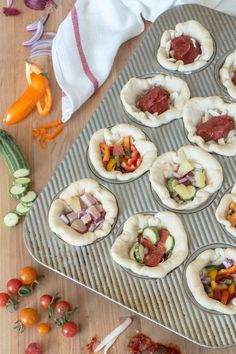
<point>18,191</point>
<point>170,244</point>
<point>171,183</point>
<point>139,253</point>
<point>151,233</point>
<point>22,181</point>
<point>29,198</point>
<point>22,172</point>
<point>11,219</point>
<point>22,209</point>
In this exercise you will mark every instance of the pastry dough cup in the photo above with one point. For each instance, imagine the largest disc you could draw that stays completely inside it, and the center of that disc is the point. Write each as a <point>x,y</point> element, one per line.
<point>222,210</point>
<point>66,233</point>
<point>192,281</point>
<point>127,234</point>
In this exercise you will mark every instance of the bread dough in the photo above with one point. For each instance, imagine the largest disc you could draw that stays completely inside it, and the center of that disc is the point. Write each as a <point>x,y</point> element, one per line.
<point>120,250</point>
<point>212,168</point>
<point>215,256</point>
<point>222,210</point>
<point>67,233</point>
<point>146,149</point>
<point>194,30</point>
<point>227,73</point>
<point>136,87</point>
<point>198,110</point>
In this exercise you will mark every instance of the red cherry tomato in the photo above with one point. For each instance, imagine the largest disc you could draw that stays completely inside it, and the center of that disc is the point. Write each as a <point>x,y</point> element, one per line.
<point>45,301</point>
<point>62,307</point>
<point>33,348</point>
<point>27,275</point>
<point>4,297</point>
<point>69,329</point>
<point>13,285</point>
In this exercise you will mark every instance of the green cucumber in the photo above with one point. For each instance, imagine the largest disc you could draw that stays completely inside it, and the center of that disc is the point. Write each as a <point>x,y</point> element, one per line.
<point>117,158</point>
<point>18,191</point>
<point>171,183</point>
<point>22,209</point>
<point>29,198</point>
<point>208,289</point>
<point>11,219</point>
<point>139,253</point>
<point>170,244</point>
<point>13,156</point>
<point>151,233</point>
<point>229,281</point>
<point>22,181</point>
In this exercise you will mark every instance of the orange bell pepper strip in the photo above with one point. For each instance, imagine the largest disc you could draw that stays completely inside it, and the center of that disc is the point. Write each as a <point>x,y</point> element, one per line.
<point>55,133</point>
<point>231,289</point>
<point>126,143</point>
<point>35,133</point>
<point>230,270</point>
<point>26,103</point>
<point>45,106</point>
<point>51,125</point>
<point>224,297</point>
<point>106,150</point>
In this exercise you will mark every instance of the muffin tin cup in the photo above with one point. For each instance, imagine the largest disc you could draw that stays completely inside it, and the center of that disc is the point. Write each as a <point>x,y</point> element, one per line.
<point>193,256</point>
<point>92,266</point>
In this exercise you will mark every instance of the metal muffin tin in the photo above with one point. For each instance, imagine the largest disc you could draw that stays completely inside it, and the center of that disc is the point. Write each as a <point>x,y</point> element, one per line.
<point>163,301</point>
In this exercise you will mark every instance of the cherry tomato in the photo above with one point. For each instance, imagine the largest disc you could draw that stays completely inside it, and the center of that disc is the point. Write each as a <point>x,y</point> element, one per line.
<point>45,301</point>
<point>28,317</point>
<point>4,297</point>
<point>69,329</point>
<point>33,348</point>
<point>27,275</point>
<point>13,285</point>
<point>62,307</point>
<point>43,328</point>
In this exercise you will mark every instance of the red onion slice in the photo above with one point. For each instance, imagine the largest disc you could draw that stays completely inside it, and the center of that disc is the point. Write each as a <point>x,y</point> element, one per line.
<point>41,53</point>
<point>43,43</point>
<point>49,34</point>
<point>9,3</point>
<point>33,26</point>
<point>36,36</point>
<point>182,180</point>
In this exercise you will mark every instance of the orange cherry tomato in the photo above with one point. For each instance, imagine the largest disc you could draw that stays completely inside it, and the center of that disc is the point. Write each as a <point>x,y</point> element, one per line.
<point>27,275</point>
<point>28,317</point>
<point>43,328</point>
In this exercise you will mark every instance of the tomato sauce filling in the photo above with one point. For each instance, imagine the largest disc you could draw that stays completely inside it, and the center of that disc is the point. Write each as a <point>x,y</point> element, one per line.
<point>234,78</point>
<point>216,128</point>
<point>140,343</point>
<point>122,156</point>
<point>185,48</point>
<point>155,100</point>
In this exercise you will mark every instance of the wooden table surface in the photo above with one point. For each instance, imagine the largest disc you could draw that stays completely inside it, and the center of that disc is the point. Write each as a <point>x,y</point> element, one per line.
<point>96,315</point>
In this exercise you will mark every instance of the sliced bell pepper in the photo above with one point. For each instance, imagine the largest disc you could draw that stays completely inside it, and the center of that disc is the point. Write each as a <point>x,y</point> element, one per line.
<point>45,104</point>
<point>126,143</point>
<point>55,133</point>
<point>106,150</point>
<point>51,125</point>
<point>224,296</point>
<point>231,289</point>
<point>35,133</point>
<point>134,155</point>
<point>230,270</point>
<point>111,164</point>
<point>216,286</point>
<point>26,103</point>
<point>212,274</point>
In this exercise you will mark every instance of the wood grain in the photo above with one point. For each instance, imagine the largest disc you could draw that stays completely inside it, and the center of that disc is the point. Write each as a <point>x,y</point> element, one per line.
<point>96,315</point>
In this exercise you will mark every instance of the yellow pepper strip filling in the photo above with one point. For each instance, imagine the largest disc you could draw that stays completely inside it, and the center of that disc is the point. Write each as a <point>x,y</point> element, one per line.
<point>111,164</point>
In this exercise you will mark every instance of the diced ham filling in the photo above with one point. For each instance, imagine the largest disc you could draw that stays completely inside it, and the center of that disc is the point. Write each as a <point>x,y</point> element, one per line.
<point>185,48</point>
<point>89,218</point>
<point>155,100</point>
<point>216,128</point>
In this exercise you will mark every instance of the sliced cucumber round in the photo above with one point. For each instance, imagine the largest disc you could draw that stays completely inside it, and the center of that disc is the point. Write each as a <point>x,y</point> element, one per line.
<point>22,172</point>
<point>170,244</point>
<point>139,253</point>
<point>171,183</point>
<point>18,191</point>
<point>29,198</point>
<point>22,209</point>
<point>11,219</point>
<point>22,181</point>
<point>151,233</point>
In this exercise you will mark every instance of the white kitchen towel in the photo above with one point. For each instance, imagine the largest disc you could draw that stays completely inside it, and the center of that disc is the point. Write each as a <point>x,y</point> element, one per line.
<point>88,39</point>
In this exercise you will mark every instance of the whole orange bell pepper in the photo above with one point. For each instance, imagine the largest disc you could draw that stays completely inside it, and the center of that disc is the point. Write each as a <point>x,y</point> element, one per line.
<point>25,104</point>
